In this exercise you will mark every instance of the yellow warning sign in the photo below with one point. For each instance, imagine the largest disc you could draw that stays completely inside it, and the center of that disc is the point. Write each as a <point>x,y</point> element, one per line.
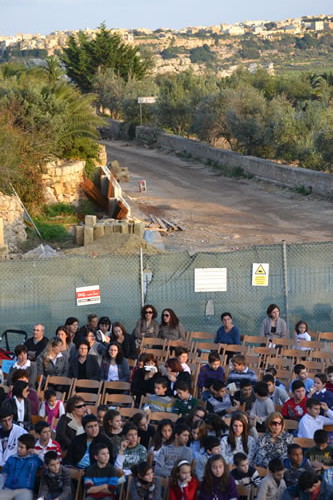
<point>260,274</point>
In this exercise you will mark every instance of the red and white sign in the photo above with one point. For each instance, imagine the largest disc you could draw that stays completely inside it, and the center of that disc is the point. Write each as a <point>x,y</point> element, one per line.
<point>86,295</point>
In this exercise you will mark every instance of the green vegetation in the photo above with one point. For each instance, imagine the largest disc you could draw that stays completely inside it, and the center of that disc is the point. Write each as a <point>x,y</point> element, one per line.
<point>202,54</point>
<point>85,57</point>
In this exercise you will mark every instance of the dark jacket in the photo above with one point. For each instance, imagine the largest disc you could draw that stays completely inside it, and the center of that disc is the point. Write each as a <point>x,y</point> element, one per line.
<point>181,377</point>
<point>78,448</point>
<point>326,493</point>
<point>92,367</point>
<point>34,350</point>
<point>56,484</point>
<point>128,346</point>
<point>140,386</point>
<point>11,405</point>
<point>32,371</point>
<point>123,370</point>
<point>64,434</point>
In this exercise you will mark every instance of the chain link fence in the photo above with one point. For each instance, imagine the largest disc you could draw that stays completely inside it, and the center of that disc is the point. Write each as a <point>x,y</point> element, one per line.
<point>43,291</point>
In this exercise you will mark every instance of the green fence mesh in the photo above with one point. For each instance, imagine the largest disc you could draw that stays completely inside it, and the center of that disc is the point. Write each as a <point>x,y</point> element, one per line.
<point>44,290</point>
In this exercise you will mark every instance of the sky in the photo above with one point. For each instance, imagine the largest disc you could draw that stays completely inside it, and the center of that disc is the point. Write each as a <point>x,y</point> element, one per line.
<point>45,16</point>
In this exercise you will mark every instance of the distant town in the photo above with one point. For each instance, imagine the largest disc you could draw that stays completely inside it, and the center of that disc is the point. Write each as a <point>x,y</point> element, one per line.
<point>171,49</point>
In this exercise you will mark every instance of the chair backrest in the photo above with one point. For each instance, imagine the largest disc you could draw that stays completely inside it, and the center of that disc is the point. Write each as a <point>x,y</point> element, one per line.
<point>244,491</point>
<point>116,386</point>
<point>58,381</point>
<point>326,336</point>
<point>160,354</point>
<point>77,475</point>
<point>89,397</point>
<point>129,412</point>
<point>157,416</point>
<point>262,471</point>
<point>233,348</point>
<point>206,346</point>
<point>284,342</point>
<point>311,344</point>
<point>164,487</point>
<point>153,343</point>
<point>304,442</point>
<point>82,384</point>
<point>290,425</point>
<point>323,356</point>
<point>201,336</point>
<point>255,339</point>
<point>118,400</point>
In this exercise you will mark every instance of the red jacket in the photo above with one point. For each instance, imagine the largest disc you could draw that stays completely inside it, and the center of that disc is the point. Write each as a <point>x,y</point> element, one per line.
<point>189,492</point>
<point>292,410</point>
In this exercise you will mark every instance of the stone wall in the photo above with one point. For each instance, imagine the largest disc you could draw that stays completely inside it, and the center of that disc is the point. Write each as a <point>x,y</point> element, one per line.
<point>11,212</point>
<point>61,181</point>
<point>293,177</point>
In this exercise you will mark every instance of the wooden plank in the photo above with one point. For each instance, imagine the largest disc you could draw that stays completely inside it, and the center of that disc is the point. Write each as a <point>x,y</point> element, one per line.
<point>161,223</point>
<point>172,226</point>
<point>94,193</point>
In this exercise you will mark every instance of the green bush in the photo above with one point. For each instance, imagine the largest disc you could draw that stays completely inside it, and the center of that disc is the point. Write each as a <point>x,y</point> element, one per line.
<point>51,232</point>
<point>59,208</point>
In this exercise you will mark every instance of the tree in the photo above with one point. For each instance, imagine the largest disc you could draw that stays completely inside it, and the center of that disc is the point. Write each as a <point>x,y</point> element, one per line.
<point>84,57</point>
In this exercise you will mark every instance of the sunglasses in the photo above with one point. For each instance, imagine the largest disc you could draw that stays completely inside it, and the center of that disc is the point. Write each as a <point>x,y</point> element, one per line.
<point>165,315</point>
<point>83,405</point>
<point>148,312</point>
<point>276,423</point>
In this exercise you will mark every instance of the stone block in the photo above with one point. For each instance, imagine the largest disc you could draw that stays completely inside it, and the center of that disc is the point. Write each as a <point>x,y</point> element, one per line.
<point>79,235</point>
<point>139,228</point>
<point>98,231</point>
<point>3,252</point>
<point>88,235</point>
<point>90,220</point>
<point>2,238</point>
<point>108,229</point>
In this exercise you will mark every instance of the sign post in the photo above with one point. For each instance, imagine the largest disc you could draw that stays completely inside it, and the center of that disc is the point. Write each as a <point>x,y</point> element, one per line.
<point>145,100</point>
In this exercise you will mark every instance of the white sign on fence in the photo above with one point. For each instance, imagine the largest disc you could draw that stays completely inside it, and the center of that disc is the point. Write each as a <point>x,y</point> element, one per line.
<point>86,295</point>
<point>146,100</point>
<point>210,279</point>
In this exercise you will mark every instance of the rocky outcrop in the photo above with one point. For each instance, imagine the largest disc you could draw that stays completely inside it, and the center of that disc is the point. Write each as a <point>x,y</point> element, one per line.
<point>11,212</point>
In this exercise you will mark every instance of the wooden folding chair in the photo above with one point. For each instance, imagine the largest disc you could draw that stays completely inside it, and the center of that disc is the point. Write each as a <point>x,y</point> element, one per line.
<point>255,340</point>
<point>323,356</point>
<point>160,354</point>
<point>201,337</point>
<point>58,381</point>
<point>244,491</point>
<point>231,349</point>
<point>311,344</point>
<point>129,412</point>
<point>283,342</point>
<point>279,363</point>
<point>164,487</point>
<point>157,416</point>
<point>327,336</point>
<point>304,442</point>
<point>152,342</point>
<point>313,366</point>
<point>90,398</point>
<point>118,400</point>
<point>262,471</point>
<point>77,475</point>
<point>80,385</point>
<point>206,346</point>
<point>290,425</point>
<point>171,345</point>
<point>115,387</point>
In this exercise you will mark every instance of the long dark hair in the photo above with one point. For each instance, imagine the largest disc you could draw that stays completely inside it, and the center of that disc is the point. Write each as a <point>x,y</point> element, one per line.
<point>245,434</point>
<point>158,438</point>
<point>148,306</point>
<point>108,417</point>
<point>120,355</point>
<point>174,320</point>
<point>210,480</point>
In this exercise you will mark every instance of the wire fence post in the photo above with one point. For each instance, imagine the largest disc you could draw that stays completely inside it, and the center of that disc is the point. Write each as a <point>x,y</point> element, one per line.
<point>141,279</point>
<point>285,281</point>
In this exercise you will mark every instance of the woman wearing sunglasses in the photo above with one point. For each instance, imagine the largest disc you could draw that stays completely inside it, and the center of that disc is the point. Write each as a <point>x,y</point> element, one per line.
<point>146,326</point>
<point>70,424</point>
<point>274,442</point>
<point>170,326</point>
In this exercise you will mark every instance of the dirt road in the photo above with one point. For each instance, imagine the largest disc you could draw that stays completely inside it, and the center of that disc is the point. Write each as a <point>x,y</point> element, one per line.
<point>218,213</point>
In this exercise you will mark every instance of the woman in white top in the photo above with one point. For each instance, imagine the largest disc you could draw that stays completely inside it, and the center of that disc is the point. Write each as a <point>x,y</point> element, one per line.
<point>301,334</point>
<point>23,363</point>
<point>114,365</point>
<point>53,361</point>
<point>238,439</point>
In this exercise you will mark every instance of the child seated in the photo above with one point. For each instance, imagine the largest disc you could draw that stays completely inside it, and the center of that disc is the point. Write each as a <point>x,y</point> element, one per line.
<point>276,394</point>
<point>56,479</point>
<point>51,407</point>
<point>319,390</point>
<point>312,420</point>
<point>295,407</point>
<point>301,334</point>
<point>101,478</point>
<point>295,464</point>
<point>273,485</point>
<point>181,354</point>
<point>212,447</point>
<point>220,401</point>
<point>174,452</point>
<point>244,474</point>
<point>20,470</point>
<point>144,482</point>
<point>44,442</point>
<point>182,482</point>
<point>272,371</point>
<point>320,455</point>
<point>209,373</point>
<point>303,375</point>
<point>130,452</point>
<point>329,372</point>
<point>185,402</point>
<point>160,401</point>
<point>245,394</point>
<point>262,406</point>
<point>240,371</point>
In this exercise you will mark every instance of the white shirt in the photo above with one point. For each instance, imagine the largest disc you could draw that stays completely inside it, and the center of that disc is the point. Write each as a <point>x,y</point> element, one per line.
<point>113,372</point>
<point>308,425</point>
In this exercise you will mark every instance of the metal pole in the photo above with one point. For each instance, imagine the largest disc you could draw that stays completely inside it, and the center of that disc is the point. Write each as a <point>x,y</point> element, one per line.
<point>285,281</point>
<point>141,279</point>
<point>140,114</point>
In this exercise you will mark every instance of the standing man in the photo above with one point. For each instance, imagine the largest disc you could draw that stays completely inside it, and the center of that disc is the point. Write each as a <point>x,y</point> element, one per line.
<point>37,343</point>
